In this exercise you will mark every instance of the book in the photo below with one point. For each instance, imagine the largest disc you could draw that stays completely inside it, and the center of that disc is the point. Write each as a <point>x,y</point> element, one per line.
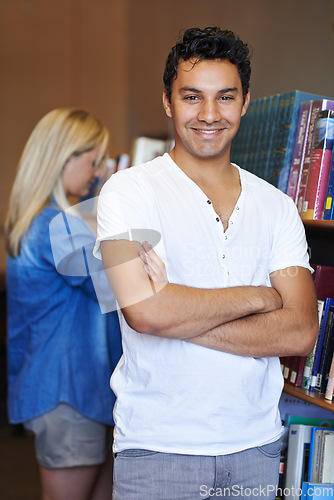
<point>239,144</point>
<point>311,421</point>
<point>320,161</point>
<point>326,468</point>
<point>267,136</point>
<point>250,133</point>
<point>288,113</point>
<point>328,213</point>
<point>323,277</point>
<point>258,138</point>
<point>147,148</point>
<point>296,369</point>
<point>297,459</point>
<point>308,367</point>
<point>317,105</point>
<point>287,365</point>
<point>316,491</point>
<point>316,443</point>
<point>268,143</point>
<point>299,149</point>
<point>330,382</point>
<point>300,371</point>
<point>326,353</point>
<point>328,302</point>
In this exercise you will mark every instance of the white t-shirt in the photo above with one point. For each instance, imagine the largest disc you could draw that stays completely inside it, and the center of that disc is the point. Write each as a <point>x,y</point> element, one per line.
<point>174,396</point>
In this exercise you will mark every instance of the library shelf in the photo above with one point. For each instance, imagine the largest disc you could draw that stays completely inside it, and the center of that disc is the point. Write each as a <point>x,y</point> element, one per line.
<point>320,239</point>
<point>310,396</point>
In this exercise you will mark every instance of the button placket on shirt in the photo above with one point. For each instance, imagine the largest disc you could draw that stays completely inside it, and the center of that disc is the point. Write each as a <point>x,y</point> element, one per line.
<point>223,255</point>
<point>225,236</point>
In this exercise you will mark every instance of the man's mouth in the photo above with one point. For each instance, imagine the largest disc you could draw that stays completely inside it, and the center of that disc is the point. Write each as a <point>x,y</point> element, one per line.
<point>208,131</point>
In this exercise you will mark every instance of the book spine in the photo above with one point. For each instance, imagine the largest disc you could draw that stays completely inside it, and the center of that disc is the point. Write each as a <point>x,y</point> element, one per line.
<point>264,138</point>
<point>313,464</point>
<point>289,136</point>
<point>271,137</point>
<point>319,165</point>
<point>316,106</point>
<point>256,142</point>
<point>298,442</point>
<point>328,302</point>
<point>307,374</point>
<point>299,148</point>
<point>329,204</point>
<point>325,353</point>
<point>330,382</point>
<point>249,139</point>
<point>285,106</point>
<point>300,371</point>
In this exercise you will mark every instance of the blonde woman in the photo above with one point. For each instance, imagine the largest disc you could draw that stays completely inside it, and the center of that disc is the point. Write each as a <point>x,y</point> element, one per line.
<point>59,352</point>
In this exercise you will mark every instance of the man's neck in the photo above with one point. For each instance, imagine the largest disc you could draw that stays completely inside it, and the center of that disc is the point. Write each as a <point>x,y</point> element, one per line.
<point>205,171</point>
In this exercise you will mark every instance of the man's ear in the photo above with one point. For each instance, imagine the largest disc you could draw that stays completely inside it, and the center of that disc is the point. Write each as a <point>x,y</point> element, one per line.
<point>166,104</point>
<point>246,104</point>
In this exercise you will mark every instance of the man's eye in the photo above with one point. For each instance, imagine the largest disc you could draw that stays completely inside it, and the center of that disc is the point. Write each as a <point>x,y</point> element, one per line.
<point>226,98</point>
<point>191,98</point>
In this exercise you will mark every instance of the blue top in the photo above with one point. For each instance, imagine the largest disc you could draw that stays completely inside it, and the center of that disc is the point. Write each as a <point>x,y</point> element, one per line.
<point>61,347</point>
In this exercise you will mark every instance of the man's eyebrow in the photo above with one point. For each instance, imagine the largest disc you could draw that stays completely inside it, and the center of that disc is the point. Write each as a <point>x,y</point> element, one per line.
<point>190,89</point>
<point>198,91</point>
<point>228,89</point>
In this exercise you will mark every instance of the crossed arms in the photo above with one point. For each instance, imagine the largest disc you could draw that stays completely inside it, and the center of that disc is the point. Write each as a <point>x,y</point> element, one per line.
<point>245,320</point>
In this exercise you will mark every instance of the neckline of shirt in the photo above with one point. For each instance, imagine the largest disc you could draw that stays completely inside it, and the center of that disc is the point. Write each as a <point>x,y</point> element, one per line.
<point>239,201</point>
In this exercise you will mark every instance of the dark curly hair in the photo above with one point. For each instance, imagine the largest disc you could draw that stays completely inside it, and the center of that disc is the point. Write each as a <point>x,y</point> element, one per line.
<point>208,43</point>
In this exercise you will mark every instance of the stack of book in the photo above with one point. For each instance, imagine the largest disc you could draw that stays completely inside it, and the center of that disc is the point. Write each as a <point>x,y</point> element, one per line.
<point>287,139</point>
<point>309,457</point>
<point>311,177</point>
<point>315,372</point>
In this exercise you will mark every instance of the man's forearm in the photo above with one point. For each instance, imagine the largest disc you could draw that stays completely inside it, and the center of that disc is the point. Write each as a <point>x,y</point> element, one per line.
<point>176,311</point>
<point>284,332</point>
<point>184,312</point>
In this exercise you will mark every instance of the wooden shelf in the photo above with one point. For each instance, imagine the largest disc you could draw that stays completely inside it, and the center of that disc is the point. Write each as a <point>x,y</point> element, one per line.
<point>311,397</point>
<point>327,225</point>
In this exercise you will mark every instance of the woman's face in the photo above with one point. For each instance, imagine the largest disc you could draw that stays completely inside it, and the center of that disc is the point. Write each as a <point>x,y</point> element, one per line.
<point>80,172</point>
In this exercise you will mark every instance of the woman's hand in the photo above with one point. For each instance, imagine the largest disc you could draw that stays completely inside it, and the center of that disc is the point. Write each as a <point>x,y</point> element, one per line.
<point>153,265</point>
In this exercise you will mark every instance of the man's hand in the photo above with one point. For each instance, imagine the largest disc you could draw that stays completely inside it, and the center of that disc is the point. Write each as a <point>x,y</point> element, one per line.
<point>287,331</point>
<point>153,265</point>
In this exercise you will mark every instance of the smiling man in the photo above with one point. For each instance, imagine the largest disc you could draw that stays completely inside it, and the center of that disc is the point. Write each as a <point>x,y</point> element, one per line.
<point>200,380</point>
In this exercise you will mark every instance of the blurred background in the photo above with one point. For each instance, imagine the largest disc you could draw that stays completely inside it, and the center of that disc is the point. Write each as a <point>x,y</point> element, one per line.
<point>108,56</point>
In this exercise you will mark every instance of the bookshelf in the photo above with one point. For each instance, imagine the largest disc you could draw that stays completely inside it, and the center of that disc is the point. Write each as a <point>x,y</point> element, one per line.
<point>311,397</point>
<point>320,238</point>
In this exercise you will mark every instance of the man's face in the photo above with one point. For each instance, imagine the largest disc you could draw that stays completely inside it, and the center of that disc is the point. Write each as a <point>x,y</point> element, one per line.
<point>206,107</point>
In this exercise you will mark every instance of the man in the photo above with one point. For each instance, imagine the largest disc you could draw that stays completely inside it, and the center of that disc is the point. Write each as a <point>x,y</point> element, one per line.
<point>199,383</point>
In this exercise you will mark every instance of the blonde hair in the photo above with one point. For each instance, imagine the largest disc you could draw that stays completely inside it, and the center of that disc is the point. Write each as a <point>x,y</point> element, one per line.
<point>60,134</point>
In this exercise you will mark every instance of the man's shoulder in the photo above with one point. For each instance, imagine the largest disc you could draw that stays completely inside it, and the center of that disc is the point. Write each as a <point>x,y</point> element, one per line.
<point>263,187</point>
<point>142,171</point>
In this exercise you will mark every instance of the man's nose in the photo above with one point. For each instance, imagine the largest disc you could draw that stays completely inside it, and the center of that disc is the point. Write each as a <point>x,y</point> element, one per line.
<point>209,112</point>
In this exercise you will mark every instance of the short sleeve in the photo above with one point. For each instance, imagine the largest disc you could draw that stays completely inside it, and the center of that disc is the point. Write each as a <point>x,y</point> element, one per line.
<point>289,246</point>
<point>123,211</point>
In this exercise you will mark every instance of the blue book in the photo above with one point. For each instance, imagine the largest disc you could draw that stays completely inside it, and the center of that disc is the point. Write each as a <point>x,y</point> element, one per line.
<point>328,303</point>
<point>317,491</point>
<point>329,202</point>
